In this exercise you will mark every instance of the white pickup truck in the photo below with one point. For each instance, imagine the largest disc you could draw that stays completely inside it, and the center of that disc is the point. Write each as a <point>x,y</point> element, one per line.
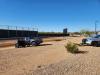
<point>94,41</point>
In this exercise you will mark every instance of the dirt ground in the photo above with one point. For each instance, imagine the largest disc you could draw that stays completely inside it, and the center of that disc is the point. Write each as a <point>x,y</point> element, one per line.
<point>50,58</point>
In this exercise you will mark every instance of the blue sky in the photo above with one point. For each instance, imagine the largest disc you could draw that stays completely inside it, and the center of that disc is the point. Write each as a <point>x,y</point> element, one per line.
<point>51,15</point>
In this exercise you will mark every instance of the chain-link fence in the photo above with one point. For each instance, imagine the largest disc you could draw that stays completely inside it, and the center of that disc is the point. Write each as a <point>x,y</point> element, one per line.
<point>8,27</point>
<point>7,31</point>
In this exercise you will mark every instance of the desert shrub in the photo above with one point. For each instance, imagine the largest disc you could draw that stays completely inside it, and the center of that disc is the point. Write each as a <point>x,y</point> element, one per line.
<point>86,32</point>
<point>71,47</point>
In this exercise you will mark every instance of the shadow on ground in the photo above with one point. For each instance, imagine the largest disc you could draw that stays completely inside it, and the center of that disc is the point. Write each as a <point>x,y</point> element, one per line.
<point>81,52</point>
<point>44,44</point>
<point>81,44</point>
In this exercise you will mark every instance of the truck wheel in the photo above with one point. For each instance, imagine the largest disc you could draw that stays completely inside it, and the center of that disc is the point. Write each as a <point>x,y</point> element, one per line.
<point>16,45</point>
<point>33,43</point>
<point>28,45</point>
<point>37,44</point>
<point>95,43</point>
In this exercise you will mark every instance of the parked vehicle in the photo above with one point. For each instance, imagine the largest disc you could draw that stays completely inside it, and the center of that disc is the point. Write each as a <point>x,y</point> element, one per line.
<point>94,41</point>
<point>36,41</point>
<point>20,43</point>
<point>27,41</point>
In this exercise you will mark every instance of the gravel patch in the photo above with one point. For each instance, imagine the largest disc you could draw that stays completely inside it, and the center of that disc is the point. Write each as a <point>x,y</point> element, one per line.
<point>78,64</point>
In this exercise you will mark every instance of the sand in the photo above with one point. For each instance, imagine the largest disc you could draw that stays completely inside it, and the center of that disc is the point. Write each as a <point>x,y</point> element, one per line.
<point>51,58</point>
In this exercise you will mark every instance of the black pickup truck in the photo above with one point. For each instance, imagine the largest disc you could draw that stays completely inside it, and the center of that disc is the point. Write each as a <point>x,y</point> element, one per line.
<point>27,41</point>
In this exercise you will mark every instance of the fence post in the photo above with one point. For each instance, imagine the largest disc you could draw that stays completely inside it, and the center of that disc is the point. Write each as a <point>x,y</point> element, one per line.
<point>16,31</point>
<point>37,32</point>
<point>22,31</point>
<point>28,32</point>
<point>8,31</point>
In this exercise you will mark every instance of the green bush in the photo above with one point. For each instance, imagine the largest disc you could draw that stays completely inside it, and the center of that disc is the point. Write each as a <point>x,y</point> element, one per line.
<point>86,32</point>
<point>71,47</point>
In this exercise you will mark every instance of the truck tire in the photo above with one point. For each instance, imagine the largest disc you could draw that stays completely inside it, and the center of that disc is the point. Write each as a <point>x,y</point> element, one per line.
<point>33,43</point>
<point>95,43</point>
<point>37,44</point>
<point>16,45</point>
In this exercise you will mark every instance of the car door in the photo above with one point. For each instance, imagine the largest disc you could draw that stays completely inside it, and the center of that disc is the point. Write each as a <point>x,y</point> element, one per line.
<point>99,38</point>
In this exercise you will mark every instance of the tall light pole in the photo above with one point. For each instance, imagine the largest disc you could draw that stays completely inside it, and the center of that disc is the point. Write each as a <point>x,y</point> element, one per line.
<point>96,27</point>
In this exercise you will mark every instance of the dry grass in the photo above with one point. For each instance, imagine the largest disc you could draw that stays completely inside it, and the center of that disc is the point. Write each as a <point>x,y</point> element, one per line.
<point>9,43</point>
<point>6,45</point>
<point>50,59</point>
<point>52,39</point>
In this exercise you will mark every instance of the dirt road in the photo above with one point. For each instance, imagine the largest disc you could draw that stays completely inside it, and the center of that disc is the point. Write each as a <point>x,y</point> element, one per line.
<point>51,58</point>
<point>85,63</point>
<point>20,61</point>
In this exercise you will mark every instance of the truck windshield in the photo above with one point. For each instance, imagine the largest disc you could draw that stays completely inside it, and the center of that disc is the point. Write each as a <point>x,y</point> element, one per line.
<point>97,36</point>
